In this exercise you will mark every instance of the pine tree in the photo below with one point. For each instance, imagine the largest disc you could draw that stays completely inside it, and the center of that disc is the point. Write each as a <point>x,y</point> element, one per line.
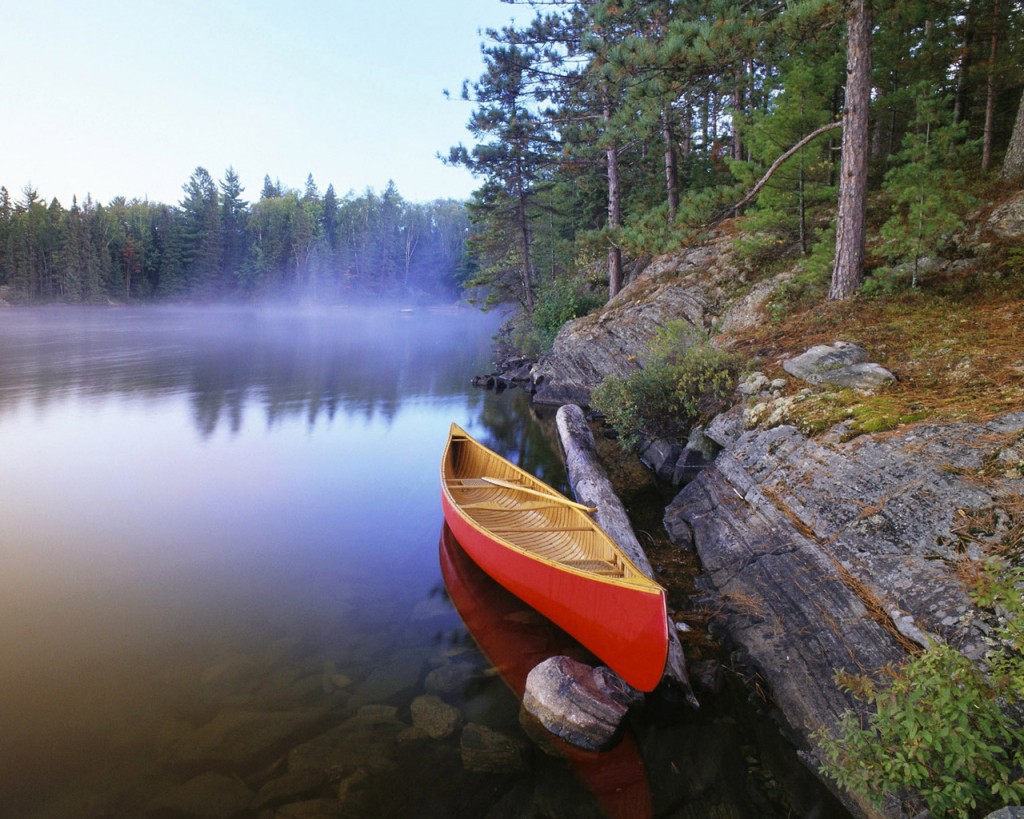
<point>234,211</point>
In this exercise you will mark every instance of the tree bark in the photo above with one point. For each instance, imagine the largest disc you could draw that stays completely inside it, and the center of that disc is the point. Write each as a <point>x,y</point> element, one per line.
<point>990,94</point>
<point>592,487</point>
<point>848,267</point>
<point>671,166</point>
<point>614,210</point>
<point>1013,162</point>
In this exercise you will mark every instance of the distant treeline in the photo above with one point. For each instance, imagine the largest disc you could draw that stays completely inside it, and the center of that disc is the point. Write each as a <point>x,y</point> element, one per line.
<point>215,245</point>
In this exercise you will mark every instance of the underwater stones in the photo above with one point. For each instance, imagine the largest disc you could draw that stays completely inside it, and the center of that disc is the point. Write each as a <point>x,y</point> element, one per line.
<point>312,809</point>
<point>366,740</point>
<point>288,786</point>
<point>584,706</point>
<point>484,750</point>
<point>207,795</point>
<point>401,671</point>
<point>450,678</point>
<point>240,738</point>
<point>434,716</point>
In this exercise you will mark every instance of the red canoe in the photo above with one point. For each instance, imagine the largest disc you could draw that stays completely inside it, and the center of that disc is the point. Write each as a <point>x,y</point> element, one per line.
<point>514,645</point>
<point>550,553</point>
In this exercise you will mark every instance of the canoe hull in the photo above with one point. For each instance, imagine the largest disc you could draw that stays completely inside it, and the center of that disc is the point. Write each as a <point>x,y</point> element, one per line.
<point>625,625</point>
<point>514,645</point>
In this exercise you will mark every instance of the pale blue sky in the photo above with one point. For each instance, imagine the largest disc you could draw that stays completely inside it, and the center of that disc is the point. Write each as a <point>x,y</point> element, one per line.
<point>128,97</point>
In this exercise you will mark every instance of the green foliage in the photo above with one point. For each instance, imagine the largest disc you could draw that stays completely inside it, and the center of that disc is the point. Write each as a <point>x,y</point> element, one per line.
<point>685,382</point>
<point>927,187</point>
<point>558,301</point>
<point>810,282</point>
<point>792,203</point>
<point>946,728</point>
<point>216,245</point>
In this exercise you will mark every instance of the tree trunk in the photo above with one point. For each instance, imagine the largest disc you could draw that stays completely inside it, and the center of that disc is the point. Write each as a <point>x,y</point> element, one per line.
<point>848,269</point>
<point>990,94</point>
<point>591,485</point>
<point>524,237</point>
<point>614,210</point>
<point>671,167</point>
<point>1013,163</point>
<point>737,107</point>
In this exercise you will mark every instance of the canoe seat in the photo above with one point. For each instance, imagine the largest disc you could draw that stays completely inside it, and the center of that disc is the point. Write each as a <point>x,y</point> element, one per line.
<point>594,566</point>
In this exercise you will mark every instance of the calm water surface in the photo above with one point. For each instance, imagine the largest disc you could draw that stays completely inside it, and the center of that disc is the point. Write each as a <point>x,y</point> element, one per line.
<point>221,591</point>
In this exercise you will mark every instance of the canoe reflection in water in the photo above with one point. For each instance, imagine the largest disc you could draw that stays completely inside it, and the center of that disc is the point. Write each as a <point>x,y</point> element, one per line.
<point>514,638</point>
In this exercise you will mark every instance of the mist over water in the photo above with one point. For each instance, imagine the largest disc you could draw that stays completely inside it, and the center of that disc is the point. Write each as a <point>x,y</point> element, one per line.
<point>219,563</point>
<point>178,485</point>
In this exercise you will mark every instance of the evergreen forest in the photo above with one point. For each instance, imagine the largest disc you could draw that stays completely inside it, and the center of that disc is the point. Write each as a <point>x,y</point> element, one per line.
<point>855,135</point>
<point>215,246</point>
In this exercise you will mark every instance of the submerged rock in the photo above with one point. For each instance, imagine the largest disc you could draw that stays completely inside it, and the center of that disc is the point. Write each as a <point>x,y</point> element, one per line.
<point>239,739</point>
<point>312,809</point>
<point>207,795</point>
<point>368,740</point>
<point>484,750</point>
<point>451,678</point>
<point>288,786</point>
<point>584,706</point>
<point>434,716</point>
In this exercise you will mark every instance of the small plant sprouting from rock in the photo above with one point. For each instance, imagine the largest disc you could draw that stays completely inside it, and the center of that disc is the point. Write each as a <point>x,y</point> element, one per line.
<point>685,382</point>
<point>946,728</point>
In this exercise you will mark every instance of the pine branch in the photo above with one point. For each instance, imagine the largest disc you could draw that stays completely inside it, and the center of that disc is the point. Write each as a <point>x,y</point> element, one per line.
<point>746,200</point>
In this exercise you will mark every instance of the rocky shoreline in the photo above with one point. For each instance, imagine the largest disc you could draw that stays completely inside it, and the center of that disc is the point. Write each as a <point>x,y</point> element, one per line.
<point>818,554</point>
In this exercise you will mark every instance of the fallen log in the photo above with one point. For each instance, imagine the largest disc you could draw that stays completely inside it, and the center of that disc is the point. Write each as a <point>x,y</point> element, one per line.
<point>591,486</point>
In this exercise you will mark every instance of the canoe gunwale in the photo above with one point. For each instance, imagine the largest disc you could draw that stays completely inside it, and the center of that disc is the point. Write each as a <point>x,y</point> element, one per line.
<point>623,620</point>
<point>637,581</point>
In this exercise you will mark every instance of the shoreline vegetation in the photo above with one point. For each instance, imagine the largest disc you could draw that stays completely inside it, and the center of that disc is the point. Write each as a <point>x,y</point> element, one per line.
<point>215,246</point>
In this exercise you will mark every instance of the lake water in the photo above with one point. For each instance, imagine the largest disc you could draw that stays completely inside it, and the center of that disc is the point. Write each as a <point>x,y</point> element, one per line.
<point>221,589</point>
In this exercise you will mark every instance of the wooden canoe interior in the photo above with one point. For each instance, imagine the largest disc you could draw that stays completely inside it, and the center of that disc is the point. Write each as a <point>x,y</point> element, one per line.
<point>549,529</point>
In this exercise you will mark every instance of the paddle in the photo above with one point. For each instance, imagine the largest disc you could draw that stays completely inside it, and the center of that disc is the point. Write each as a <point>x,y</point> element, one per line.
<point>545,495</point>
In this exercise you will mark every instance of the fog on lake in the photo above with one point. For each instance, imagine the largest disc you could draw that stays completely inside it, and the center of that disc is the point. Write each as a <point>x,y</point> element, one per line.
<point>221,591</point>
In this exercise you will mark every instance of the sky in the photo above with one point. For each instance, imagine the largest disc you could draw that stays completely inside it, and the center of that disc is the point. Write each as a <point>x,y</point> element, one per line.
<point>116,98</point>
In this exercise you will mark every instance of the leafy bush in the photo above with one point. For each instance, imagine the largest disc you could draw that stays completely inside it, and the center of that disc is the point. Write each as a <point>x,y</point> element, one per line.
<point>685,383</point>
<point>946,728</point>
<point>556,303</point>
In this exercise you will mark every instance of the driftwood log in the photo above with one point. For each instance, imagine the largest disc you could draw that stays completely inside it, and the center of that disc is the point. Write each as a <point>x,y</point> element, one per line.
<point>591,486</point>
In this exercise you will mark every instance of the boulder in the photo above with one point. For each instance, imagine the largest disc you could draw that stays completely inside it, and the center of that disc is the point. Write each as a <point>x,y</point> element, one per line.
<point>1007,220</point>
<point>1009,812</point>
<point>400,672</point>
<point>613,342</point>
<point>582,705</point>
<point>840,364</point>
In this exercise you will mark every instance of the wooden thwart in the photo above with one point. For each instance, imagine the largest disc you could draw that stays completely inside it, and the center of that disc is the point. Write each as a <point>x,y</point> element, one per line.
<point>558,498</point>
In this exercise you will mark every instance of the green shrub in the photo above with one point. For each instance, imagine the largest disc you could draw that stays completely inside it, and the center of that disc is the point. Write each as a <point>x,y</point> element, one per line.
<point>947,729</point>
<point>557,302</point>
<point>685,383</point>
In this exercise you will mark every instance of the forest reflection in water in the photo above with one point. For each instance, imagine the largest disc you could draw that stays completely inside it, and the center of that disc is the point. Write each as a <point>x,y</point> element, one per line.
<point>221,581</point>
